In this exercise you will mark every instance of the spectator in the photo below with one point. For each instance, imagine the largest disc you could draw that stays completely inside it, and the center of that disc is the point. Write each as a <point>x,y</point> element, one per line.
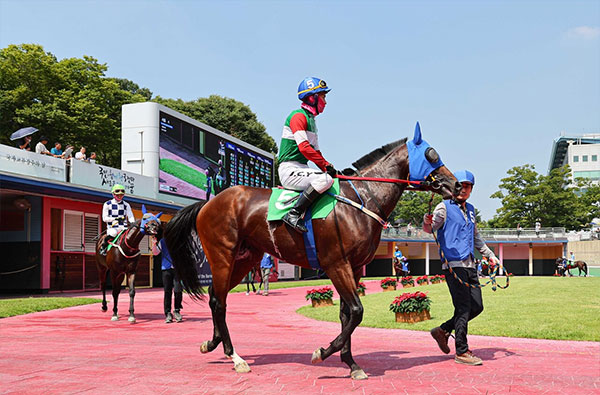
<point>538,227</point>
<point>265,267</point>
<point>57,151</point>
<point>92,158</point>
<point>40,148</point>
<point>519,229</point>
<point>250,281</point>
<point>25,143</point>
<point>68,154</point>
<point>81,154</point>
<point>409,229</point>
<point>171,285</point>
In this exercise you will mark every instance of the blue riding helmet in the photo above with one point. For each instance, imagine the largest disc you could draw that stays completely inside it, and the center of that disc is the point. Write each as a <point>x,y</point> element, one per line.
<point>311,85</point>
<point>465,176</point>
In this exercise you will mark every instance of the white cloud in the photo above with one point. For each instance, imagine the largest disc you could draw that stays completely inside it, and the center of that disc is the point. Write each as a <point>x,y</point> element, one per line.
<point>584,32</point>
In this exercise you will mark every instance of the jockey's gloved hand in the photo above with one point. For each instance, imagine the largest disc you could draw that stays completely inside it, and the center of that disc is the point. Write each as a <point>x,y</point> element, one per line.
<point>331,170</point>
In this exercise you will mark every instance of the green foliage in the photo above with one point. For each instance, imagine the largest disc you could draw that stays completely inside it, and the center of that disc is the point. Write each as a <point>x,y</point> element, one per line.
<point>228,115</point>
<point>73,102</point>
<point>528,308</point>
<point>412,206</point>
<point>12,307</point>
<point>69,101</point>
<point>527,196</point>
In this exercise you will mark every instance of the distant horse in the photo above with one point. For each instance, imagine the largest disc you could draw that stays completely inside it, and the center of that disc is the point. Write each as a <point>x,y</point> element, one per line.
<point>122,259</point>
<point>234,234</point>
<point>562,270</point>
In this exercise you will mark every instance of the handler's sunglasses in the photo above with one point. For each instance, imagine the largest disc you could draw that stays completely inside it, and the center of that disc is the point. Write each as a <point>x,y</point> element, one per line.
<point>119,191</point>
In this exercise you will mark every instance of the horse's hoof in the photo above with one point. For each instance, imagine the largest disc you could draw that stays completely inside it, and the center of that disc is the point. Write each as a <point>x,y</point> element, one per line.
<point>104,309</point>
<point>242,367</point>
<point>316,357</point>
<point>359,375</point>
<point>115,318</point>
<point>131,319</point>
<point>204,347</point>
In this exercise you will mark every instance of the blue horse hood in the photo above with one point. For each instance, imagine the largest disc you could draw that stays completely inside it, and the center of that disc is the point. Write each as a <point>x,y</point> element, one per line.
<point>418,165</point>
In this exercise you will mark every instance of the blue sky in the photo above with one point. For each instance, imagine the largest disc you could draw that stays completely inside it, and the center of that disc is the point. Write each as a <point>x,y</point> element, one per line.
<point>491,82</point>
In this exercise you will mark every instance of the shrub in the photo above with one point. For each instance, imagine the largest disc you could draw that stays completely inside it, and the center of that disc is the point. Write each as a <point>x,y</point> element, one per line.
<point>319,293</point>
<point>388,282</point>
<point>408,280</point>
<point>411,302</point>
<point>422,280</point>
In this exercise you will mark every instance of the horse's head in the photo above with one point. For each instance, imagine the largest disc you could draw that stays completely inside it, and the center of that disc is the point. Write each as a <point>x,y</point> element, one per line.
<point>426,165</point>
<point>150,224</point>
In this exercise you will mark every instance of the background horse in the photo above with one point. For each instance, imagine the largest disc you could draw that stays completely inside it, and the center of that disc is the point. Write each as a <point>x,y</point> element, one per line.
<point>122,259</point>
<point>562,270</point>
<point>234,233</point>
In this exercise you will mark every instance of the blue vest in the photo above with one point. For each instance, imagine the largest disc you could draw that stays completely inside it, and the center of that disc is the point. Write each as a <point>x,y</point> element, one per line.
<point>456,237</point>
<point>166,262</point>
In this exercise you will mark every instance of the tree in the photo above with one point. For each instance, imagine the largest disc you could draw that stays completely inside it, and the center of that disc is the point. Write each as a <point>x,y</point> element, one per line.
<point>412,206</point>
<point>528,196</point>
<point>70,101</point>
<point>228,115</point>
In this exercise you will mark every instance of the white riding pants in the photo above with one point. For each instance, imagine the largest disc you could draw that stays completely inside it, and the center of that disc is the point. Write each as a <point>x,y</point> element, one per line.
<point>112,232</point>
<point>298,176</point>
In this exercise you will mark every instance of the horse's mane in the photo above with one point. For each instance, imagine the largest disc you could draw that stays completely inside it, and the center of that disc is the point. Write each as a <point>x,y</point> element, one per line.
<point>377,154</point>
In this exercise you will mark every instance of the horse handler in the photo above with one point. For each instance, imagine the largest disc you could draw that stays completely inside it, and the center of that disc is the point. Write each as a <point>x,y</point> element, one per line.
<point>454,221</point>
<point>171,284</point>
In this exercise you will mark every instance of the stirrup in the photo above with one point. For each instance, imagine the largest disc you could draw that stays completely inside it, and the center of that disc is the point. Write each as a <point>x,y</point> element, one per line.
<point>297,225</point>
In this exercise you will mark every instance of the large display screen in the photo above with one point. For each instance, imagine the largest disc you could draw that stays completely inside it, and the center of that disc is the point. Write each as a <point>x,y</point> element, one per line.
<point>199,164</point>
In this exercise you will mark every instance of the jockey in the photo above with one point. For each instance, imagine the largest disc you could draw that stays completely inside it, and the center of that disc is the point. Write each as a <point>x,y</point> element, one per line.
<point>299,144</point>
<point>117,214</point>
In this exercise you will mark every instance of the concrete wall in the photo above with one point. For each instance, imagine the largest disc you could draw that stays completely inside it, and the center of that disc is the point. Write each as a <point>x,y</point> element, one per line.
<point>587,251</point>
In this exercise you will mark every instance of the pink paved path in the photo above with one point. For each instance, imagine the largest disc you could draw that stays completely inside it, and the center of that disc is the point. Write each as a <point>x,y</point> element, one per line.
<point>79,350</point>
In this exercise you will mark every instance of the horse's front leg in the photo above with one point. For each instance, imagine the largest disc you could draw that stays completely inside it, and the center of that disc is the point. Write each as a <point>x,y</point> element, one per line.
<point>346,287</point>
<point>346,353</point>
<point>116,284</point>
<point>102,274</point>
<point>131,284</point>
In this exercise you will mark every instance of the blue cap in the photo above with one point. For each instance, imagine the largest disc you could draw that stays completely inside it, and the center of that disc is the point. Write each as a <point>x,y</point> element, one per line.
<point>465,176</point>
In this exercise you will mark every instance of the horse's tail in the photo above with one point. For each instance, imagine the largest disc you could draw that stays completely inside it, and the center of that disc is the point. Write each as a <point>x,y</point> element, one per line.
<point>184,247</point>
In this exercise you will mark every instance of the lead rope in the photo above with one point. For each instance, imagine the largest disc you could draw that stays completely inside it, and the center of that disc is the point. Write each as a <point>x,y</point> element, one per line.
<point>493,274</point>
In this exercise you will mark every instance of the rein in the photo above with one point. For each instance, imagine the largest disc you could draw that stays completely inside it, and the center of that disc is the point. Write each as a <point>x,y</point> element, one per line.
<point>124,238</point>
<point>493,274</point>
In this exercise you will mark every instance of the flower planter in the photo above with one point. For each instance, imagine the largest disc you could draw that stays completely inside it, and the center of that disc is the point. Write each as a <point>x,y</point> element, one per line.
<point>389,288</point>
<point>413,317</point>
<point>361,293</point>
<point>407,285</point>
<point>321,302</point>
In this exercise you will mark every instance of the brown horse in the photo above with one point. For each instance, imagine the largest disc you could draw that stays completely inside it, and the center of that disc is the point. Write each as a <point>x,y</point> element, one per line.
<point>234,234</point>
<point>563,270</point>
<point>122,259</point>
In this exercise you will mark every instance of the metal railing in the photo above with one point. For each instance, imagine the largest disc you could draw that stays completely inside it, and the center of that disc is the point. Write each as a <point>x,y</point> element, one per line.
<point>526,234</point>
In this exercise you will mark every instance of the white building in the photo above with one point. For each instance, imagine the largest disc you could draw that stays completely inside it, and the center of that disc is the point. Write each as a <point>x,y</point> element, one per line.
<point>581,153</point>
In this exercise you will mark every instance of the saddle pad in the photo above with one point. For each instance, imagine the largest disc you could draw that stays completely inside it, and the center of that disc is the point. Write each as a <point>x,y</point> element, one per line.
<point>320,208</point>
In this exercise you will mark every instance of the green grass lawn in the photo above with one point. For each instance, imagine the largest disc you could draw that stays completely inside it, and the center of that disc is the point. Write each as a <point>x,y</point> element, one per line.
<point>532,307</point>
<point>12,307</point>
<point>183,172</point>
<point>285,284</point>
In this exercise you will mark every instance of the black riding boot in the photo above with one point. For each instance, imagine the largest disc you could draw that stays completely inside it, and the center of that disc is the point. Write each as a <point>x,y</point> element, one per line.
<point>104,246</point>
<point>294,217</point>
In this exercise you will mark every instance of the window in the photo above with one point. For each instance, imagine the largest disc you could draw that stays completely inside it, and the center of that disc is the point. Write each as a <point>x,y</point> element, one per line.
<point>72,235</point>
<point>584,158</point>
<point>594,158</point>
<point>91,231</point>
<point>575,158</point>
<point>80,230</point>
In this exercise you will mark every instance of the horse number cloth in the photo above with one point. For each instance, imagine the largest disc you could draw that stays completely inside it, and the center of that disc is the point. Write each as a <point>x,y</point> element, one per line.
<point>282,200</point>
